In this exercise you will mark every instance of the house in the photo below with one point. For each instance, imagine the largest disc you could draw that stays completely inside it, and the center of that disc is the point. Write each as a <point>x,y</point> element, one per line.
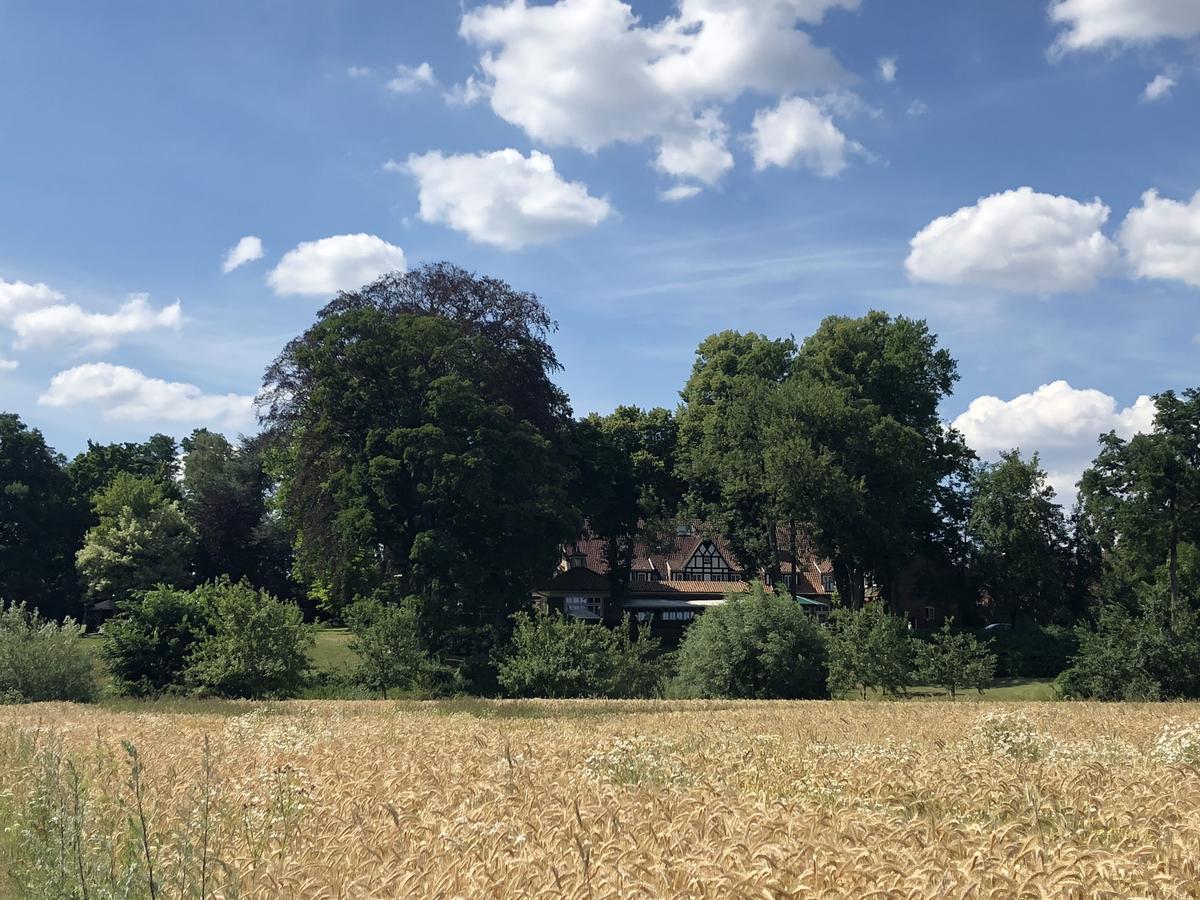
<point>668,587</point>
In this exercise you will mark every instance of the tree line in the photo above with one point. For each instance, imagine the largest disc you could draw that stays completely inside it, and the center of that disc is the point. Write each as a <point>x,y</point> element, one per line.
<point>418,466</point>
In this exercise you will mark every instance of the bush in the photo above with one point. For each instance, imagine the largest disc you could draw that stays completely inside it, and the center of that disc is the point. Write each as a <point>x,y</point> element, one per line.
<point>393,655</point>
<point>869,649</point>
<point>148,645</point>
<point>757,646</point>
<point>258,646</point>
<point>1130,657</point>
<point>954,659</point>
<point>1032,651</point>
<point>42,660</point>
<point>556,657</point>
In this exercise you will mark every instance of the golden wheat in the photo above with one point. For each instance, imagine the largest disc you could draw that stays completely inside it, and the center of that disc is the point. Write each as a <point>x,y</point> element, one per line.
<point>561,799</point>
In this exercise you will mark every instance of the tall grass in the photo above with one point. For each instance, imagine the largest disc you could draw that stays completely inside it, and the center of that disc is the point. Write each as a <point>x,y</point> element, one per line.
<point>599,799</point>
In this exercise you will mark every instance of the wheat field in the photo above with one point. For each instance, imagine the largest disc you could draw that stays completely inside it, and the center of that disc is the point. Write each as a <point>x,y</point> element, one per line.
<point>578,799</point>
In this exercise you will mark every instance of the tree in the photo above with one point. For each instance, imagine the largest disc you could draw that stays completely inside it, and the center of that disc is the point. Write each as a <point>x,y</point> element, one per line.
<point>148,644</point>
<point>226,490</point>
<point>859,454</point>
<point>626,484</point>
<point>868,649</point>
<point>39,524</point>
<point>420,446</point>
<point>389,645</point>
<point>1148,488</point>
<point>553,656</point>
<point>258,645</point>
<point>94,469</point>
<point>728,402</point>
<point>954,659</point>
<point>1018,538</point>
<point>141,540</point>
<point>758,645</point>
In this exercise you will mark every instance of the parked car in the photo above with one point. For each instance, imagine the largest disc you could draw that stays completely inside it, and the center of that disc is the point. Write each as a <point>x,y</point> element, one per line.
<point>997,626</point>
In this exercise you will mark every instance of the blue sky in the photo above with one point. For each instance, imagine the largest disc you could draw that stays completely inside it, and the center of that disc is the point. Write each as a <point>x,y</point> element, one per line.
<point>655,171</point>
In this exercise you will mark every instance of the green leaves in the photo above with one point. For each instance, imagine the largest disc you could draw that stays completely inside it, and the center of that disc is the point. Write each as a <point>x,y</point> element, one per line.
<point>954,659</point>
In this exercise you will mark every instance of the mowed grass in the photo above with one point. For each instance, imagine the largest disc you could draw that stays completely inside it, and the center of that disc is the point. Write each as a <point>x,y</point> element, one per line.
<point>601,800</point>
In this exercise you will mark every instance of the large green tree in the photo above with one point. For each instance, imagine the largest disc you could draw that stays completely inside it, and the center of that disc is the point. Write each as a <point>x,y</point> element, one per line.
<point>1019,539</point>
<point>39,524</point>
<point>859,455</point>
<point>726,423</point>
<point>420,437</point>
<point>95,468</point>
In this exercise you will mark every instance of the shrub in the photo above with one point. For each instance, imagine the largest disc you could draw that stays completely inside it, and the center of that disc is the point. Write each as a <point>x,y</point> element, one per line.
<point>147,646</point>
<point>556,657</point>
<point>392,652</point>
<point>1033,651</point>
<point>869,649</point>
<point>954,659</point>
<point>757,645</point>
<point>258,646</point>
<point>42,660</point>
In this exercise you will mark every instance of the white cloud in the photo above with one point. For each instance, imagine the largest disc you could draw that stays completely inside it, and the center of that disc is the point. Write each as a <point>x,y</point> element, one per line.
<point>70,324</point>
<point>1058,421</point>
<point>1158,88</point>
<point>698,152</point>
<point>503,198</point>
<point>248,249</point>
<point>887,68</point>
<point>120,392</point>
<point>7,365</point>
<point>1017,241</point>
<point>679,192</point>
<point>17,297</point>
<point>344,262</point>
<point>588,73</point>
<point>358,71</point>
<point>1091,24</point>
<point>797,130</point>
<point>1161,238</point>
<point>409,80</point>
<point>917,108</point>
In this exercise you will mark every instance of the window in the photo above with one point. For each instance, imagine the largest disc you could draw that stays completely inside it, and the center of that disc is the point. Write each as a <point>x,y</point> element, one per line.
<point>828,583</point>
<point>577,560</point>
<point>707,564</point>
<point>584,607</point>
<point>641,576</point>
<point>678,615</point>
<point>930,614</point>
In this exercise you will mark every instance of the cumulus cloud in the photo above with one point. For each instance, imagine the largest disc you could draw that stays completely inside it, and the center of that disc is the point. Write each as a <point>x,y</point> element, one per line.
<point>248,249</point>
<point>503,198</point>
<point>7,365</point>
<point>1158,88</point>
<point>1017,241</point>
<point>70,324</point>
<point>887,68</point>
<point>1092,24</point>
<point>17,297</point>
<point>1058,421</point>
<point>588,73</point>
<point>798,131</point>
<point>344,262</point>
<point>120,392</point>
<point>1161,238</point>
<point>410,79</point>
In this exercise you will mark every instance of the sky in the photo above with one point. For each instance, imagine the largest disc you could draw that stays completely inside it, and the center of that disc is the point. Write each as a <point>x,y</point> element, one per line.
<point>183,185</point>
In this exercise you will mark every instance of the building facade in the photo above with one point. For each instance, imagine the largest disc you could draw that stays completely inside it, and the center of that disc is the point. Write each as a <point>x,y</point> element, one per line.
<point>670,586</point>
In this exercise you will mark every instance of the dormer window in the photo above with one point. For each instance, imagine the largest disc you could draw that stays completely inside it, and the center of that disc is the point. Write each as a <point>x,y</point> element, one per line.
<point>827,583</point>
<point>577,560</point>
<point>683,529</point>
